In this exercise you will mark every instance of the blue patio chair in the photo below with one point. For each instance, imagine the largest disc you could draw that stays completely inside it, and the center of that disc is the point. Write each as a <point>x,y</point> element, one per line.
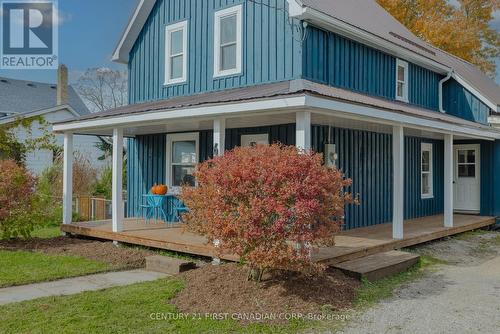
<point>179,209</point>
<point>146,210</point>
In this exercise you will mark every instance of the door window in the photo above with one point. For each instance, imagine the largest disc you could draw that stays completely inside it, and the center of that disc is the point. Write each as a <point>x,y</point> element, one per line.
<point>466,163</point>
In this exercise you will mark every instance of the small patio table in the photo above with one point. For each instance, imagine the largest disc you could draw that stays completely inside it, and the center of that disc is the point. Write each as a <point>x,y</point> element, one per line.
<point>153,209</point>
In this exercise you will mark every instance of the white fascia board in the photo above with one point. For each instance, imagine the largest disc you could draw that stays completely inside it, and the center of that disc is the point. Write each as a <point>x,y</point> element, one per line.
<point>493,106</point>
<point>132,31</point>
<point>36,113</point>
<point>382,116</point>
<point>350,31</point>
<point>316,104</point>
<point>494,120</point>
<point>202,111</point>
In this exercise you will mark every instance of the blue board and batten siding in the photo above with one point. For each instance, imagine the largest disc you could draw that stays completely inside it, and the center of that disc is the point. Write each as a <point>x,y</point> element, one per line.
<point>365,157</point>
<point>271,48</point>
<point>337,61</point>
<point>146,164</point>
<point>458,101</point>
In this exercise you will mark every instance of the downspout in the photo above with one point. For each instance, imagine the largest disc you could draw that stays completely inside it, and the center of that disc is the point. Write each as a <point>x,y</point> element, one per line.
<point>441,82</point>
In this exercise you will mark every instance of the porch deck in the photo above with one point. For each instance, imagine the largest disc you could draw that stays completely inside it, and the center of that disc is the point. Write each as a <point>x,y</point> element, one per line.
<point>350,244</point>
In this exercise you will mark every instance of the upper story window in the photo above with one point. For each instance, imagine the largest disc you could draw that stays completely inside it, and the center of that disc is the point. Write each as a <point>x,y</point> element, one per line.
<point>401,80</point>
<point>227,41</point>
<point>176,53</point>
<point>426,170</point>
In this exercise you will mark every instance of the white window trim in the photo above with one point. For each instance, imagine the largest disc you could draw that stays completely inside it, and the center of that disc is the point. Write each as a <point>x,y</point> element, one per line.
<point>191,136</point>
<point>183,26</point>
<point>238,10</point>
<point>427,147</point>
<point>404,64</point>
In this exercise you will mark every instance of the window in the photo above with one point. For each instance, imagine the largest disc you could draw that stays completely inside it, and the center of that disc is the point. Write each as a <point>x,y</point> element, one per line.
<point>227,41</point>
<point>182,157</point>
<point>466,163</point>
<point>401,80</point>
<point>176,53</point>
<point>255,139</point>
<point>426,170</point>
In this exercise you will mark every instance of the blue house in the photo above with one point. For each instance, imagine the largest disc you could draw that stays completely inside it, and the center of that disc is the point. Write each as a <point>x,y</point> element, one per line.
<point>413,126</point>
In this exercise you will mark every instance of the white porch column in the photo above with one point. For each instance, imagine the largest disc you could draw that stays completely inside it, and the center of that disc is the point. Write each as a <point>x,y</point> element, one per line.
<point>448,180</point>
<point>219,136</point>
<point>68,179</point>
<point>303,130</point>
<point>116,193</point>
<point>398,182</point>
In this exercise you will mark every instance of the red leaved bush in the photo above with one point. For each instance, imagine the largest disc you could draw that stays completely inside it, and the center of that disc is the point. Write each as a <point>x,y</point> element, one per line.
<point>268,204</point>
<point>16,199</point>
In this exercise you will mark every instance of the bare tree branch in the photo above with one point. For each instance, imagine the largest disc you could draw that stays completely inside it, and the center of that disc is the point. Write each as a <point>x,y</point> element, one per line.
<point>103,88</point>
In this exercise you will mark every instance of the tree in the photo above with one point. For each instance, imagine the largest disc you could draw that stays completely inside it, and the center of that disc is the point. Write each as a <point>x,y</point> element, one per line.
<point>12,148</point>
<point>103,88</point>
<point>463,30</point>
<point>267,204</point>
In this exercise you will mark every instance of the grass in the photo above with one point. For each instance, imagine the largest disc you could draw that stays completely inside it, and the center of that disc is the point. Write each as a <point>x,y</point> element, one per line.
<point>371,293</point>
<point>47,232</point>
<point>468,234</point>
<point>21,267</point>
<point>129,310</point>
<point>166,252</point>
<point>120,310</point>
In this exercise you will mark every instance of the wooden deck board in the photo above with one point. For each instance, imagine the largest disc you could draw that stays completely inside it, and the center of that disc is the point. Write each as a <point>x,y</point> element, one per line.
<point>350,244</point>
<point>380,265</point>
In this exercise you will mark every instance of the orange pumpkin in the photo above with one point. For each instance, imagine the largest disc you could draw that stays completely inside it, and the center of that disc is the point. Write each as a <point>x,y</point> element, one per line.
<point>159,189</point>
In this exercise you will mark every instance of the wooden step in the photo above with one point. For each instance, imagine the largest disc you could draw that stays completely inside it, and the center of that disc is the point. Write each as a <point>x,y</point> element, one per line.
<point>380,265</point>
<point>168,265</point>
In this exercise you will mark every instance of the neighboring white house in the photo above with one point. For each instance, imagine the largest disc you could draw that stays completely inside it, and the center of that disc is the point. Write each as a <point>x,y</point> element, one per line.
<point>55,103</point>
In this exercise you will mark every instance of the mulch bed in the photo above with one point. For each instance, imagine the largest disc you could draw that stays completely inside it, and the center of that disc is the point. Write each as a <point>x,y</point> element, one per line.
<point>102,251</point>
<point>225,289</point>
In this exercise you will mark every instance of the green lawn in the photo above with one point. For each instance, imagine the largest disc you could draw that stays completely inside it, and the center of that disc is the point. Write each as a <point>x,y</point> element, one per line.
<point>21,267</point>
<point>47,232</point>
<point>119,310</point>
<point>128,310</point>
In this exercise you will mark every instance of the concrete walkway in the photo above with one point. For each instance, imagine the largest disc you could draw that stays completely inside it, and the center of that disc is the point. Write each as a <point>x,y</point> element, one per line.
<point>69,286</point>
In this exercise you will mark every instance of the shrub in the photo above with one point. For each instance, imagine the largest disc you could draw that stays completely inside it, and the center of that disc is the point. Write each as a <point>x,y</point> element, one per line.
<point>84,177</point>
<point>104,184</point>
<point>270,205</point>
<point>17,200</point>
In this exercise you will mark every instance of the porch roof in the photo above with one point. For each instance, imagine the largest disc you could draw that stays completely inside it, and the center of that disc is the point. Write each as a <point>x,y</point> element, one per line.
<point>280,91</point>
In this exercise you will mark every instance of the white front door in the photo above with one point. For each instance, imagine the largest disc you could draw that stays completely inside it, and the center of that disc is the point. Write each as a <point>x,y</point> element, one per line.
<point>467,178</point>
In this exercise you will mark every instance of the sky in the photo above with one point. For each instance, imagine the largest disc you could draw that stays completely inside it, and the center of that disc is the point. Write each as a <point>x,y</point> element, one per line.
<point>89,31</point>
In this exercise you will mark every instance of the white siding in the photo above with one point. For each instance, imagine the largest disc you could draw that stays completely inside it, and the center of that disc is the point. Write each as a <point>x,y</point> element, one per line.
<point>39,160</point>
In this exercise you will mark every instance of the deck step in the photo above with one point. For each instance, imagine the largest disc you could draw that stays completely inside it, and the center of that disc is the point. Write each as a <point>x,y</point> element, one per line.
<point>168,265</point>
<point>377,266</point>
